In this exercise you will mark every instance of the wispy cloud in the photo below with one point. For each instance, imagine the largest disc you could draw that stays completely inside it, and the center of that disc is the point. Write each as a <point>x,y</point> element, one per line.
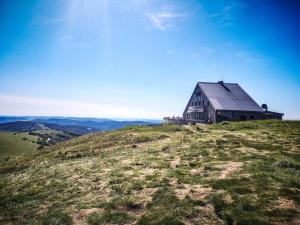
<point>62,37</point>
<point>202,51</point>
<point>228,13</point>
<point>248,56</point>
<point>165,20</point>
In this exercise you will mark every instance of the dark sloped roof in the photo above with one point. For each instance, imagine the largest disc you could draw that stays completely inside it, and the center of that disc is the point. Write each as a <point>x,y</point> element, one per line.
<point>229,96</point>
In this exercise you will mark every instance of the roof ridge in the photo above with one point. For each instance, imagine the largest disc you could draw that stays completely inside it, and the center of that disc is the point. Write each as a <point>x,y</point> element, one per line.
<point>201,82</point>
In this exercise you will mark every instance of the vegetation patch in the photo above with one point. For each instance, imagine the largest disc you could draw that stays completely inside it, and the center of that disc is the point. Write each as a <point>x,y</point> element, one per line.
<point>56,217</point>
<point>227,173</point>
<point>111,217</point>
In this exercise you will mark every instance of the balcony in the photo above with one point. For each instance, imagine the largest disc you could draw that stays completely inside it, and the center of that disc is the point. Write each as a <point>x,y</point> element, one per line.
<point>195,109</point>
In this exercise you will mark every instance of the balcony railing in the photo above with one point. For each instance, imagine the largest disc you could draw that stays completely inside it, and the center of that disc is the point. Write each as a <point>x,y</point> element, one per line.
<point>195,109</point>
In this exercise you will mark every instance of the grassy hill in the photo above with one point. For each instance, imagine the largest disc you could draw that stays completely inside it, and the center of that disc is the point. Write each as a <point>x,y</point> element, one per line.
<point>22,137</point>
<point>13,144</point>
<point>229,173</point>
<point>25,126</point>
<point>49,131</point>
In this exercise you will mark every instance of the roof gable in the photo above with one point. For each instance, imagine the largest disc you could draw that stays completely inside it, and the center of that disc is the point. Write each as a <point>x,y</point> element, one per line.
<point>228,96</point>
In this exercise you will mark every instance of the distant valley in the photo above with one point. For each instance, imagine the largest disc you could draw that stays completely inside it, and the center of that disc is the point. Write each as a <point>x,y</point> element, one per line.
<point>26,134</point>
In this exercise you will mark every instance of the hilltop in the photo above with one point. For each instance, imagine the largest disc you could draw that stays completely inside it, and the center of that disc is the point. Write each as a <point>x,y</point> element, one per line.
<point>228,173</point>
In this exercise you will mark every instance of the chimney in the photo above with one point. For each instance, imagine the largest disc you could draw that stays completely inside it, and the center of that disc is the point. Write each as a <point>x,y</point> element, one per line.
<point>223,85</point>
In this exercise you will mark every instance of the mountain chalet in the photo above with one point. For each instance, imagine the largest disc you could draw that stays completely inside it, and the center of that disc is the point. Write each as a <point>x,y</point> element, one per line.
<point>217,102</point>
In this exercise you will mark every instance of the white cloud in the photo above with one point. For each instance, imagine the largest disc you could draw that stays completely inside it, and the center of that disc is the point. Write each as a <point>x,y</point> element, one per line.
<point>20,105</point>
<point>164,20</point>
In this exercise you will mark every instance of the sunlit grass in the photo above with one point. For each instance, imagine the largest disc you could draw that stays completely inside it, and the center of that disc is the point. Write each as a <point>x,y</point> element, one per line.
<point>228,173</point>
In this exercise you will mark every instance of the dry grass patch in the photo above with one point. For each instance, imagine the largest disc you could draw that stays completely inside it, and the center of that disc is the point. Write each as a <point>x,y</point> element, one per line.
<point>80,217</point>
<point>229,169</point>
<point>199,192</point>
<point>176,162</point>
<point>284,203</point>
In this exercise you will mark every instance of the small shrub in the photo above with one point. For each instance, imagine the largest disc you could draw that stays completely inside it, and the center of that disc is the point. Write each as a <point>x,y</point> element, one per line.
<point>286,164</point>
<point>225,123</point>
<point>165,148</point>
<point>218,202</point>
<point>57,218</point>
<point>199,129</point>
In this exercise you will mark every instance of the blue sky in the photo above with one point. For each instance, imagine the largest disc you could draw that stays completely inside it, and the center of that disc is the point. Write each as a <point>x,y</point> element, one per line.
<point>142,58</point>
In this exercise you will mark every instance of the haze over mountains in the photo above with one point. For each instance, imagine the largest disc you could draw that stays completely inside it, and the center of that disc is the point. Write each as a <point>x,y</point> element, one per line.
<point>34,133</point>
<point>88,124</point>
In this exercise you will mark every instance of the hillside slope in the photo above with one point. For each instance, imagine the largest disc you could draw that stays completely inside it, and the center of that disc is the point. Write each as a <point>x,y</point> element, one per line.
<point>25,126</point>
<point>230,173</point>
<point>13,144</point>
<point>93,123</point>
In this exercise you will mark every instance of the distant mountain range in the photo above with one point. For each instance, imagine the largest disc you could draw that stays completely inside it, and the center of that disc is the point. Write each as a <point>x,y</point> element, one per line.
<point>27,126</point>
<point>51,130</point>
<point>77,125</point>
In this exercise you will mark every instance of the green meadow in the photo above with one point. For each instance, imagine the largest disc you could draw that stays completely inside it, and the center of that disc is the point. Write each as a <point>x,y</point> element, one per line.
<point>15,144</point>
<point>227,173</point>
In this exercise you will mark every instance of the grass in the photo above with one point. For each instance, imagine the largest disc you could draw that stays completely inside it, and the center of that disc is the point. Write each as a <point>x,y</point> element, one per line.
<point>56,217</point>
<point>14,144</point>
<point>109,217</point>
<point>227,173</point>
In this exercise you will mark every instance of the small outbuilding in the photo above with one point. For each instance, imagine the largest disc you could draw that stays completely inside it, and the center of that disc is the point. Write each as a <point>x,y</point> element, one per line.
<point>216,102</point>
